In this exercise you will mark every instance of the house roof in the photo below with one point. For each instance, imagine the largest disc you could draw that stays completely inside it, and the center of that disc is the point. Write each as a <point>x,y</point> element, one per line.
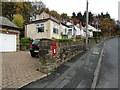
<point>92,28</point>
<point>5,23</point>
<point>43,20</point>
<point>64,24</point>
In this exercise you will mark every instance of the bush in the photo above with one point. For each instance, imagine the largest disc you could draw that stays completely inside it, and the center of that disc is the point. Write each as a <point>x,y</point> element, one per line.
<point>91,38</point>
<point>97,34</point>
<point>63,40</point>
<point>64,36</point>
<point>25,43</point>
<point>79,40</point>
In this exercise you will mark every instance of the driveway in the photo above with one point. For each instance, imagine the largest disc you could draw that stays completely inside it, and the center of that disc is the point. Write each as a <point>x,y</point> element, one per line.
<point>19,69</point>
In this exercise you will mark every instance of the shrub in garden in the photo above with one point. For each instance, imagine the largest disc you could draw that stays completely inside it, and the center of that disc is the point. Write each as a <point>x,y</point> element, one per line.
<point>25,43</point>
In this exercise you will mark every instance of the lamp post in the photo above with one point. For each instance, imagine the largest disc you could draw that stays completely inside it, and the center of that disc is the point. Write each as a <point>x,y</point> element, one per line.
<point>86,24</point>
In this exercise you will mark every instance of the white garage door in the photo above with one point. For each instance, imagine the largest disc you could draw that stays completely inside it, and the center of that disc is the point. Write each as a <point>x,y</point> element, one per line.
<point>7,42</point>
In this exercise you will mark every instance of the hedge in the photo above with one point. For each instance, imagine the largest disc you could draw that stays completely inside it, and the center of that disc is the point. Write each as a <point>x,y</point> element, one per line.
<point>63,40</point>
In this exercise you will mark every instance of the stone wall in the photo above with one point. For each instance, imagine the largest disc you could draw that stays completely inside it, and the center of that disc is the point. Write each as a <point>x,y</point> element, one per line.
<point>65,51</point>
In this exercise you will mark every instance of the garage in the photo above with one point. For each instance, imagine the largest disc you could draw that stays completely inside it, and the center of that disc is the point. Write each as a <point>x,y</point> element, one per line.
<point>9,36</point>
<point>8,42</point>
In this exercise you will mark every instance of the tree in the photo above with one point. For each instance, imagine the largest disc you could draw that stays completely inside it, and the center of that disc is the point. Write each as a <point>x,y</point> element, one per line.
<point>80,17</point>
<point>117,28</point>
<point>90,17</point>
<point>24,9</point>
<point>45,10</point>
<point>101,16</point>
<point>84,18</point>
<point>75,20</point>
<point>73,15</point>
<point>37,7</point>
<point>65,17</point>
<point>55,14</point>
<point>8,12</point>
<point>18,20</point>
<point>107,15</point>
<point>9,9</point>
<point>107,26</point>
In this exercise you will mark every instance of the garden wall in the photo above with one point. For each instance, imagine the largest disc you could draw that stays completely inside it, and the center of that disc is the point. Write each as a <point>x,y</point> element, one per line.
<point>64,52</point>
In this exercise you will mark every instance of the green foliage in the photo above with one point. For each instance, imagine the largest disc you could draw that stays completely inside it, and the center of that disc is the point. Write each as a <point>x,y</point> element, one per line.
<point>97,34</point>
<point>73,15</point>
<point>65,17</point>
<point>55,14</point>
<point>64,36</point>
<point>90,17</point>
<point>79,40</point>
<point>45,10</point>
<point>80,16</point>
<point>18,20</point>
<point>68,40</point>
<point>63,40</point>
<point>91,38</point>
<point>107,26</point>
<point>53,38</point>
<point>25,43</point>
<point>9,9</point>
<point>101,16</point>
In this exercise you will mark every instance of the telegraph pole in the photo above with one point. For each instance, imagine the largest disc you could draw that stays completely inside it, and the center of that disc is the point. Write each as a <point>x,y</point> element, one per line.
<point>86,24</point>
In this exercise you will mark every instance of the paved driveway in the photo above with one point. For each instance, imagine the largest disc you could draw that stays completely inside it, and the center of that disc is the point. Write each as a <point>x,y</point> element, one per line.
<point>18,69</point>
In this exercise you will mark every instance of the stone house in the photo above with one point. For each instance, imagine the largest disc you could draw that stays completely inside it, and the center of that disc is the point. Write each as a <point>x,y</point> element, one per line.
<point>9,36</point>
<point>45,26</point>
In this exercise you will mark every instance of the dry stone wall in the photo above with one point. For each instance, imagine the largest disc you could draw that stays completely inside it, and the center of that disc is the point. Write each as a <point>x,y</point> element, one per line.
<point>64,52</point>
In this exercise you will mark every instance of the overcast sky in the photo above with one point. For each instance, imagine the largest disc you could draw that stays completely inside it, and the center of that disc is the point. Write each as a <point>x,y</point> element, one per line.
<point>95,6</point>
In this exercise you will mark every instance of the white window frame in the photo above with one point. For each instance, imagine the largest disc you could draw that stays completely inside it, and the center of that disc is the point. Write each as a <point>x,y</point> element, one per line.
<point>39,26</point>
<point>55,29</point>
<point>69,31</point>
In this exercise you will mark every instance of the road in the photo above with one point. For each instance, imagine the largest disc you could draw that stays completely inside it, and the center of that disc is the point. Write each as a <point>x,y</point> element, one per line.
<point>108,77</point>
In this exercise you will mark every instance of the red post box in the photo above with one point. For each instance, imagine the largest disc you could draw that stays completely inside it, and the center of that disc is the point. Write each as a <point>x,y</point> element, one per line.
<point>54,48</point>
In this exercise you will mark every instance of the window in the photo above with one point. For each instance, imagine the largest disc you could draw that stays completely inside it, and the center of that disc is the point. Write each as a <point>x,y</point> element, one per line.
<point>36,41</point>
<point>43,16</point>
<point>40,28</point>
<point>32,18</point>
<point>69,31</point>
<point>65,30</point>
<point>55,29</point>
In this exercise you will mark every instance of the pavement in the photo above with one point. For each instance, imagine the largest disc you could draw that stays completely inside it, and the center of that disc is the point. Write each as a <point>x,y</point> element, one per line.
<point>18,69</point>
<point>78,72</point>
